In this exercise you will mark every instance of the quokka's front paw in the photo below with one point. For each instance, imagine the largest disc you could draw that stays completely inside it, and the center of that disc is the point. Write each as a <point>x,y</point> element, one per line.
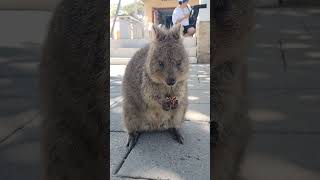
<point>173,102</point>
<point>166,105</point>
<point>170,103</point>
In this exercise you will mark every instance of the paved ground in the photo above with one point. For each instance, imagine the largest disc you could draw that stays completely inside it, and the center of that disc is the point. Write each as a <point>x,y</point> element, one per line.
<point>284,70</point>
<point>157,155</point>
<point>284,64</point>
<point>21,34</point>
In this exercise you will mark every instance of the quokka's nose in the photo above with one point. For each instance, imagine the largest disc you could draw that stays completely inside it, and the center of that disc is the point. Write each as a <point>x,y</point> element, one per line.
<point>171,81</point>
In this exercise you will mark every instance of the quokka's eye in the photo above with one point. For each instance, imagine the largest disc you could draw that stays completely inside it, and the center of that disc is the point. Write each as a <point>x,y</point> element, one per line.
<point>161,65</point>
<point>178,64</point>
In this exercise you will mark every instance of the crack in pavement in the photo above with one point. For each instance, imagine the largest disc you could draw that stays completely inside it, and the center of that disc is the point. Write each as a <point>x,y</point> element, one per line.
<point>283,55</point>
<point>138,177</point>
<point>19,128</point>
<point>117,169</point>
<point>118,131</point>
<point>116,102</point>
<point>113,104</point>
<point>306,28</point>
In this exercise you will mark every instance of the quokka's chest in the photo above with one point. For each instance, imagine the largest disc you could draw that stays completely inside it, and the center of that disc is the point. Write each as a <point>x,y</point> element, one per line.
<point>157,118</point>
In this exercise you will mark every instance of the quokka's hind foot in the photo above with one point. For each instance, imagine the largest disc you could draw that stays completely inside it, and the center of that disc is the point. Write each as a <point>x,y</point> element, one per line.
<point>176,134</point>
<point>132,139</point>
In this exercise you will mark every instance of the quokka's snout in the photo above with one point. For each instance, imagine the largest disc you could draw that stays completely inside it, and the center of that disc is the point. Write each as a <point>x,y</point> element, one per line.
<point>171,81</point>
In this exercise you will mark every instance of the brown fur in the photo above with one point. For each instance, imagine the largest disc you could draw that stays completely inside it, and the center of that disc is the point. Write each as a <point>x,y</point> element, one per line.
<point>73,83</point>
<point>232,30</point>
<point>144,83</point>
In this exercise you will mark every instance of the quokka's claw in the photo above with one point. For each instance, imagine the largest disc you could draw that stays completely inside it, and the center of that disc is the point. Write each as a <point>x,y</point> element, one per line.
<point>132,140</point>
<point>176,135</point>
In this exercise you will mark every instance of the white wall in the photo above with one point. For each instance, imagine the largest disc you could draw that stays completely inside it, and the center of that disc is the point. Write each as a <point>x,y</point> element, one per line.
<point>204,13</point>
<point>124,30</point>
<point>127,30</point>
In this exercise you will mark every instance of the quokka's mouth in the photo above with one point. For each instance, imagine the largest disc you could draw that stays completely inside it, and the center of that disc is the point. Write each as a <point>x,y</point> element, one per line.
<point>169,86</point>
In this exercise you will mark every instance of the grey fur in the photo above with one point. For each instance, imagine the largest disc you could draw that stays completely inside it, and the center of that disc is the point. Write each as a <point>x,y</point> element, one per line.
<point>144,84</point>
<point>229,95</point>
<point>73,88</point>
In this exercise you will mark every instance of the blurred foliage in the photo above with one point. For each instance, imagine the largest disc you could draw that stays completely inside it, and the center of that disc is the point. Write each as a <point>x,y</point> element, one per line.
<point>128,10</point>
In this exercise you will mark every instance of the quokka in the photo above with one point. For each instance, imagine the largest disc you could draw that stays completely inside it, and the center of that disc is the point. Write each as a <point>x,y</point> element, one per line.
<point>155,95</point>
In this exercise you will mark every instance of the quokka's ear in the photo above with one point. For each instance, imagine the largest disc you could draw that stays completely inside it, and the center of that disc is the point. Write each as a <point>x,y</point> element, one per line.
<point>175,31</point>
<point>158,33</point>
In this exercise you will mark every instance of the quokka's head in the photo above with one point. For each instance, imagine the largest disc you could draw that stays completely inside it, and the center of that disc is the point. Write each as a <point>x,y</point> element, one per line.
<point>167,60</point>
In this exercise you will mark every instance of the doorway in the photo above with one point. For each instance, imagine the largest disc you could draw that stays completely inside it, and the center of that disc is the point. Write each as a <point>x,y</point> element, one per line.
<point>163,16</point>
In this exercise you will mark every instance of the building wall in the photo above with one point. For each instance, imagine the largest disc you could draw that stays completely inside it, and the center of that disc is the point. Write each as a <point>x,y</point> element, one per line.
<point>148,4</point>
<point>203,42</point>
<point>124,29</point>
<point>203,33</point>
<point>204,13</point>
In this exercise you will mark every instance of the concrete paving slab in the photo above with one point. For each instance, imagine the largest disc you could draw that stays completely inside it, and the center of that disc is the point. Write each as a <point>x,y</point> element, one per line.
<point>115,81</point>
<point>265,66</point>
<point>271,70</point>
<point>20,59</point>
<point>118,149</point>
<point>19,155</point>
<point>261,48</point>
<point>198,86</point>
<point>315,33</point>
<point>19,69</point>
<point>115,89</point>
<point>12,105</point>
<point>115,98</point>
<point>286,156</point>
<point>198,112</point>
<point>18,87</point>
<point>312,21</point>
<point>116,121</point>
<point>15,112</point>
<point>286,110</point>
<point>196,68</point>
<point>199,96</point>
<point>302,59</point>
<point>157,155</point>
<point>12,122</point>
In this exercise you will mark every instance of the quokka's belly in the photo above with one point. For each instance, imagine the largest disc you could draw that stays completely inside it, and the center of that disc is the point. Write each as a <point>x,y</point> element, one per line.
<point>158,119</point>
